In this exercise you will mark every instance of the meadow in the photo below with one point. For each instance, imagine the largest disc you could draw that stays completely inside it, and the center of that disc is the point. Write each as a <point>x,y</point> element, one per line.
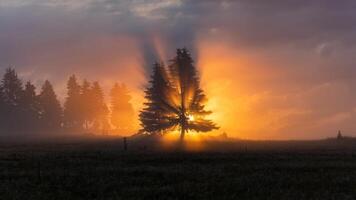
<point>253,170</point>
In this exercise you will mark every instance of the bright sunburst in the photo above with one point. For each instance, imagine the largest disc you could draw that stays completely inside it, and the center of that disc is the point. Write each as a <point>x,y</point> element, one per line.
<point>191,117</point>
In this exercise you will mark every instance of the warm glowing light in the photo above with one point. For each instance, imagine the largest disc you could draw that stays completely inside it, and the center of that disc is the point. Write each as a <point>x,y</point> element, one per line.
<point>159,46</point>
<point>234,80</point>
<point>191,117</point>
<point>224,75</point>
<point>193,140</point>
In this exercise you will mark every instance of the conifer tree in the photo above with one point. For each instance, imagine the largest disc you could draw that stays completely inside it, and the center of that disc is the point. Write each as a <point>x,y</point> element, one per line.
<point>155,116</point>
<point>122,112</point>
<point>176,99</point>
<point>50,108</point>
<point>12,94</point>
<point>99,109</point>
<point>12,87</point>
<point>72,107</point>
<point>31,107</point>
<point>86,104</point>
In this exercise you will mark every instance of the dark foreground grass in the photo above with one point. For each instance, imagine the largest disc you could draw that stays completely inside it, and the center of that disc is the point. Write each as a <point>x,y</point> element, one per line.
<point>81,174</point>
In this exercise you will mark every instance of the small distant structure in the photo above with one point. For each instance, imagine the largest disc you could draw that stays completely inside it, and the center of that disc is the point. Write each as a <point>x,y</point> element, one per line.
<point>224,135</point>
<point>339,135</point>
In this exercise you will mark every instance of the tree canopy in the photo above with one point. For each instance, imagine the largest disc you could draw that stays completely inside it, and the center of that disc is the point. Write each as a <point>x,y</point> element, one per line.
<point>50,108</point>
<point>122,113</point>
<point>175,99</point>
<point>72,106</point>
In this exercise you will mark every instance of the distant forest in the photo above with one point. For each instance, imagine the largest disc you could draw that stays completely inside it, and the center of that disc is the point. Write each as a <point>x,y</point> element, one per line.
<point>23,110</point>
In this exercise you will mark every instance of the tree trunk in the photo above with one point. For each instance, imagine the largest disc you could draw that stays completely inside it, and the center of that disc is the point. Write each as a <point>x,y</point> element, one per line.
<point>182,133</point>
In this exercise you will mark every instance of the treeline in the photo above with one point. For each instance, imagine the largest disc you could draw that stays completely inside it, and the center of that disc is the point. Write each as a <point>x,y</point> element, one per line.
<point>24,110</point>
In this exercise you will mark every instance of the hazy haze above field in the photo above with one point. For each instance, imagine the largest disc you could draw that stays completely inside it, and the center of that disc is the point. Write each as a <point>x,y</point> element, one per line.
<point>278,69</point>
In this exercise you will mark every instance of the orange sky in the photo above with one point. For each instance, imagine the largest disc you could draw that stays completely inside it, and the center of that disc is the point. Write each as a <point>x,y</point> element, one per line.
<point>249,103</point>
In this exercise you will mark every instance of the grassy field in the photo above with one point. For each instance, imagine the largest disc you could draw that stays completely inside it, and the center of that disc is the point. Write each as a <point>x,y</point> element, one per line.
<point>100,171</point>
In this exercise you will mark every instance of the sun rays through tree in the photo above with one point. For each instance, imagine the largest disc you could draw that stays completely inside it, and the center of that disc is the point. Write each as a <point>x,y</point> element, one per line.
<point>175,100</point>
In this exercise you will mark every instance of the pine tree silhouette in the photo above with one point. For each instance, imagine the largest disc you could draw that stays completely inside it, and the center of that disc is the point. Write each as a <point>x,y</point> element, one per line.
<point>155,116</point>
<point>175,99</point>
<point>122,111</point>
<point>31,108</point>
<point>12,92</point>
<point>50,108</point>
<point>99,108</point>
<point>72,107</point>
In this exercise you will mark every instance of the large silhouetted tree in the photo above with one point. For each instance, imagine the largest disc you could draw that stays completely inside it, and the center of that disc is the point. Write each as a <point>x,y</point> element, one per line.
<point>73,118</point>
<point>50,108</point>
<point>155,116</point>
<point>122,112</point>
<point>176,99</point>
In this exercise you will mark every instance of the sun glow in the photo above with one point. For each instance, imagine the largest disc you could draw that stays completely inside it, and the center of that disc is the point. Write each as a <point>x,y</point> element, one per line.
<point>191,118</point>
<point>219,67</point>
<point>233,80</point>
<point>193,140</point>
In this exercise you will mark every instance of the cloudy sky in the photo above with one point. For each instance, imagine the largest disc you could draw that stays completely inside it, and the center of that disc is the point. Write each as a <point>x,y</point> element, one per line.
<point>277,69</point>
